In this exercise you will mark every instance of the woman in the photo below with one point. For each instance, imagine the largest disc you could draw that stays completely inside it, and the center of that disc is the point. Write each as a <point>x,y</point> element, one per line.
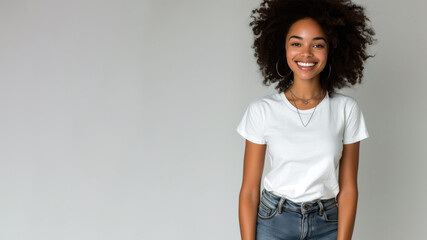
<point>310,48</point>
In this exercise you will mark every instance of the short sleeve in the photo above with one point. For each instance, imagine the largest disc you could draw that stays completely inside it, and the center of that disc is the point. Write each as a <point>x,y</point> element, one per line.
<point>355,126</point>
<point>251,126</point>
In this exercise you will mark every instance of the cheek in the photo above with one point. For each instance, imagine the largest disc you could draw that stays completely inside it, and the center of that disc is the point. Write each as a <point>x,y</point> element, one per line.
<point>323,55</point>
<point>289,61</point>
<point>290,55</point>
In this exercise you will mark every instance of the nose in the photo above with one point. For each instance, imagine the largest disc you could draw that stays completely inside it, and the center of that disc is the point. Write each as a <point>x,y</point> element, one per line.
<point>307,52</point>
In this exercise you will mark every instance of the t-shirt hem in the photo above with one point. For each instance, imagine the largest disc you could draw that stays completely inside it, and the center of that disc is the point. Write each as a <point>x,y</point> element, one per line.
<point>253,139</point>
<point>356,139</point>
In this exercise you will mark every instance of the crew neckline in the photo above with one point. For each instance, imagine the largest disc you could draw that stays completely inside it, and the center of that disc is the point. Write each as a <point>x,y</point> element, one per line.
<point>292,107</point>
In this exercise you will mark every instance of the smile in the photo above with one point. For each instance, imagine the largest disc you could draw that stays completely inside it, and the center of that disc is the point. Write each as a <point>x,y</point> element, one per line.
<point>306,64</point>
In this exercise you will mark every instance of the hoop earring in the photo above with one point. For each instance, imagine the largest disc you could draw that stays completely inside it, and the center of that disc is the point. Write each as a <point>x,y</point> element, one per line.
<point>277,70</point>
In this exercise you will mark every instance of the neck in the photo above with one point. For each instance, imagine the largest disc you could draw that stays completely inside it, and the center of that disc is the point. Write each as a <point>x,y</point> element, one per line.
<point>305,88</point>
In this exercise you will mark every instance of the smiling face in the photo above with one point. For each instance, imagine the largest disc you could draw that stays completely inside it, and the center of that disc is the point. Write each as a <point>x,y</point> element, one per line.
<point>306,49</point>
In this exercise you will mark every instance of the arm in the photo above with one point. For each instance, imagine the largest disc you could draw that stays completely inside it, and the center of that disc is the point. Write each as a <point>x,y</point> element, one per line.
<point>348,194</point>
<point>249,192</point>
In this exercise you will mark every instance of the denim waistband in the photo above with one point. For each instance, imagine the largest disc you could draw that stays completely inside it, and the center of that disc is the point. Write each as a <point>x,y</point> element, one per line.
<point>301,207</point>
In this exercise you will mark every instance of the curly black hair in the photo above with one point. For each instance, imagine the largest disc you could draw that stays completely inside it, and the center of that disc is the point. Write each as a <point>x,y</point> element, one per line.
<point>344,23</point>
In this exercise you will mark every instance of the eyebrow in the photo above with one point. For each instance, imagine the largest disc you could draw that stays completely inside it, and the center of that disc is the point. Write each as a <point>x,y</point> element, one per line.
<point>316,38</point>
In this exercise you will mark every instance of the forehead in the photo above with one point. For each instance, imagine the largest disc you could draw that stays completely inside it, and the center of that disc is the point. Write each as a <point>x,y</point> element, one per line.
<point>306,28</point>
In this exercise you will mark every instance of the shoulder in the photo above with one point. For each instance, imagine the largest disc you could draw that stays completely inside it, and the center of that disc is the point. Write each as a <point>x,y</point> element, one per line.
<point>341,100</point>
<point>265,105</point>
<point>266,101</point>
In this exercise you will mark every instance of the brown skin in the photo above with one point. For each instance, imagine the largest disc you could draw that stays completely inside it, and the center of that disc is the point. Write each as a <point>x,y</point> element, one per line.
<point>347,28</point>
<point>304,43</point>
<point>249,192</point>
<point>298,103</point>
<point>307,43</point>
<point>348,194</point>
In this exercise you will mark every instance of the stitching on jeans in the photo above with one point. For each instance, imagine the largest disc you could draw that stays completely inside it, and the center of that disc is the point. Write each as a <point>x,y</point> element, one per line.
<point>271,216</point>
<point>297,211</point>
<point>311,227</point>
<point>268,211</point>
<point>290,209</point>
<point>302,227</point>
<point>327,207</point>
<point>325,217</point>
<point>271,201</point>
<point>265,207</point>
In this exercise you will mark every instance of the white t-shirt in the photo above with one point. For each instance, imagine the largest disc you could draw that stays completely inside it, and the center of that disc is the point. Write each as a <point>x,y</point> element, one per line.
<point>303,161</point>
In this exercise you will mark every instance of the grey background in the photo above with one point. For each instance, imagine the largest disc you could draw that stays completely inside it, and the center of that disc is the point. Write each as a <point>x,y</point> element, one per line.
<point>118,119</point>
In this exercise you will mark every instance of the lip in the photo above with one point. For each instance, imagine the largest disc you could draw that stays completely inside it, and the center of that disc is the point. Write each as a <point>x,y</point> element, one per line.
<point>306,68</point>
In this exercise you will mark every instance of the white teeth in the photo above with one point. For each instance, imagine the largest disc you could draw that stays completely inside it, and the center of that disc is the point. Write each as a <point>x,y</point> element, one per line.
<point>305,64</point>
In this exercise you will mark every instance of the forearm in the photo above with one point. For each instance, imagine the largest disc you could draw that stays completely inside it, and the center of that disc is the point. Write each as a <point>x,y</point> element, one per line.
<point>347,206</point>
<point>248,208</point>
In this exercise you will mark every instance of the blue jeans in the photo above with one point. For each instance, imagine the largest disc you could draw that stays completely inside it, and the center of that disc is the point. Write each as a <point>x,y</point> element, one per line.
<point>280,218</point>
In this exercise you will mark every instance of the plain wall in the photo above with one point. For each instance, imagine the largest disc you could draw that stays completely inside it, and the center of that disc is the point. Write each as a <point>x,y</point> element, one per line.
<point>118,119</point>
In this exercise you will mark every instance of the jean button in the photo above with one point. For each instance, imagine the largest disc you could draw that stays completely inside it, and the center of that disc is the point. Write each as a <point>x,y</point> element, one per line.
<point>306,207</point>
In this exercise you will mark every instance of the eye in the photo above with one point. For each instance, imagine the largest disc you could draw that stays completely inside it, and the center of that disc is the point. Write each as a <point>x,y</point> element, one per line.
<point>319,46</point>
<point>295,44</point>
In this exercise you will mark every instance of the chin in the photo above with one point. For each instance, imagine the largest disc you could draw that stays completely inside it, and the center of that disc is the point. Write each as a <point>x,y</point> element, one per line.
<point>308,76</point>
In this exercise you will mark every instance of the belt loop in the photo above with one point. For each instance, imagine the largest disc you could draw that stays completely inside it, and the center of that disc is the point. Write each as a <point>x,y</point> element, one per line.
<point>282,200</point>
<point>321,207</point>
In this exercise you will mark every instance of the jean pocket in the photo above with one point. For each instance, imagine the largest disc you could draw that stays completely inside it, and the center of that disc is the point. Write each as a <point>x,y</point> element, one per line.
<point>267,208</point>
<point>330,214</point>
